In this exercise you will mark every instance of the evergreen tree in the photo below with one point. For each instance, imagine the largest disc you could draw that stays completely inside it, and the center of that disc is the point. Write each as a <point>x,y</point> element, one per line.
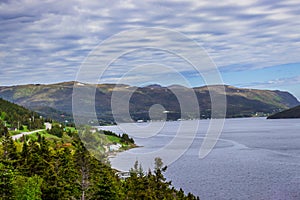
<point>7,176</point>
<point>10,155</point>
<point>83,166</point>
<point>45,169</point>
<point>27,188</point>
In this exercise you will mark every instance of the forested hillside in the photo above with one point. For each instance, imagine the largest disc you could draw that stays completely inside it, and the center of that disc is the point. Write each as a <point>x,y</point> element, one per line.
<point>51,169</point>
<point>55,100</point>
<point>15,117</point>
<point>289,113</point>
<point>55,164</point>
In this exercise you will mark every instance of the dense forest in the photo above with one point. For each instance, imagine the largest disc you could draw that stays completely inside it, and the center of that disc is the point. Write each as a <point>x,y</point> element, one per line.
<point>51,169</point>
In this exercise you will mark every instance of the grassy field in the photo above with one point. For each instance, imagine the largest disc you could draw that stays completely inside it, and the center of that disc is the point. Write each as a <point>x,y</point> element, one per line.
<point>114,139</point>
<point>34,136</point>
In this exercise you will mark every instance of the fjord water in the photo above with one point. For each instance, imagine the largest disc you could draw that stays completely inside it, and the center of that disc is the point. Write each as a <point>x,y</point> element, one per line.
<point>254,158</point>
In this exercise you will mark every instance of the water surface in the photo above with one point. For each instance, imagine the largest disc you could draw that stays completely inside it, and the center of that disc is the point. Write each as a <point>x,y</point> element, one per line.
<point>255,158</point>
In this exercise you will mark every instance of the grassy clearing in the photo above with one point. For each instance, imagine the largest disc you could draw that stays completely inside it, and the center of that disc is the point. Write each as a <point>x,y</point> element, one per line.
<point>25,129</point>
<point>113,139</point>
<point>34,136</point>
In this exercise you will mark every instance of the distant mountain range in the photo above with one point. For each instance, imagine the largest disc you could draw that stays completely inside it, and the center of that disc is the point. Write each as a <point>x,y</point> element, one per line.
<point>55,100</point>
<point>289,113</point>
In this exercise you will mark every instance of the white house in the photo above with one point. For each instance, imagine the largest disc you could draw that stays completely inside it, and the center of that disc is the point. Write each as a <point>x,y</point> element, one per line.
<point>93,130</point>
<point>48,125</point>
<point>115,147</point>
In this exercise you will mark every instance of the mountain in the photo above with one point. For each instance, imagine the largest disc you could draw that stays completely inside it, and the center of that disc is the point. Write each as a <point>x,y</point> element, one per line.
<point>55,100</point>
<point>289,113</point>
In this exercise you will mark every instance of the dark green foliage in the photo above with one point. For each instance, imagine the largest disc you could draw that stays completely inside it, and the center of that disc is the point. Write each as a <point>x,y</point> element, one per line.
<point>49,170</point>
<point>109,133</point>
<point>124,137</point>
<point>7,175</point>
<point>15,116</point>
<point>3,129</point>
<point>27,188</point>
<point>290,113</point>
<point>9,149</point>
<point>57,130</point>
<point>152,185</point>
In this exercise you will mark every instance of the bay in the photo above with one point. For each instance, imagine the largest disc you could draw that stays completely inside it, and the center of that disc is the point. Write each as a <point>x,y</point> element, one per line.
<point>254,158</point>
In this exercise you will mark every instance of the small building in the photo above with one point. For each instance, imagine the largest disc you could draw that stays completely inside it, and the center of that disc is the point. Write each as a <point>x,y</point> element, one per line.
<point>93,130</point>
<point>115,147</point>
<point>48,125</point>
<point>123,175</point>
<point>12,129</point>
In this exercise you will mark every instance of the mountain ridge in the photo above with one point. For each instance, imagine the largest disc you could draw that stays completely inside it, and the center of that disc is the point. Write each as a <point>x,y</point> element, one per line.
<point>56,99</point>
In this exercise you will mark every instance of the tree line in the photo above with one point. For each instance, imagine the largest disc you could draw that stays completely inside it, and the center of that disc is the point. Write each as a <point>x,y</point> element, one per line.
<point>46,169</point>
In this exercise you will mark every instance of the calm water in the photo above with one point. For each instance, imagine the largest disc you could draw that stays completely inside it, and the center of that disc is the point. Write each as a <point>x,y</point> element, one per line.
<point>255,158</point>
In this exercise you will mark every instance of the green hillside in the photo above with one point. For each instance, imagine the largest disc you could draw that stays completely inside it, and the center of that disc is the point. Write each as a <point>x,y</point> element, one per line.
<point>289,113</point>
<point>56,164</point>
<point>16,117</point>
<point>55,100</point>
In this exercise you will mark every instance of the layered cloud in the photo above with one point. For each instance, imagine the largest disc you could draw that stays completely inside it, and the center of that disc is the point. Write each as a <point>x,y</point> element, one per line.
<point>46,41</point>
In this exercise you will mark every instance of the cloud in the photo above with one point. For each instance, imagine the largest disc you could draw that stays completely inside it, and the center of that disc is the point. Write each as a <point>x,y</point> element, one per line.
<point>47,41</point>
<point>290,84</point>
<point>275,83</point>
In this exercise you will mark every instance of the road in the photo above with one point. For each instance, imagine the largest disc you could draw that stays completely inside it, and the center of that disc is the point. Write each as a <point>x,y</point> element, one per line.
<point>15,137</point>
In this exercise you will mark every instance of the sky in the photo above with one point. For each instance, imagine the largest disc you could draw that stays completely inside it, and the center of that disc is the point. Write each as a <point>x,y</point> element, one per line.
<point>253,44</point>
